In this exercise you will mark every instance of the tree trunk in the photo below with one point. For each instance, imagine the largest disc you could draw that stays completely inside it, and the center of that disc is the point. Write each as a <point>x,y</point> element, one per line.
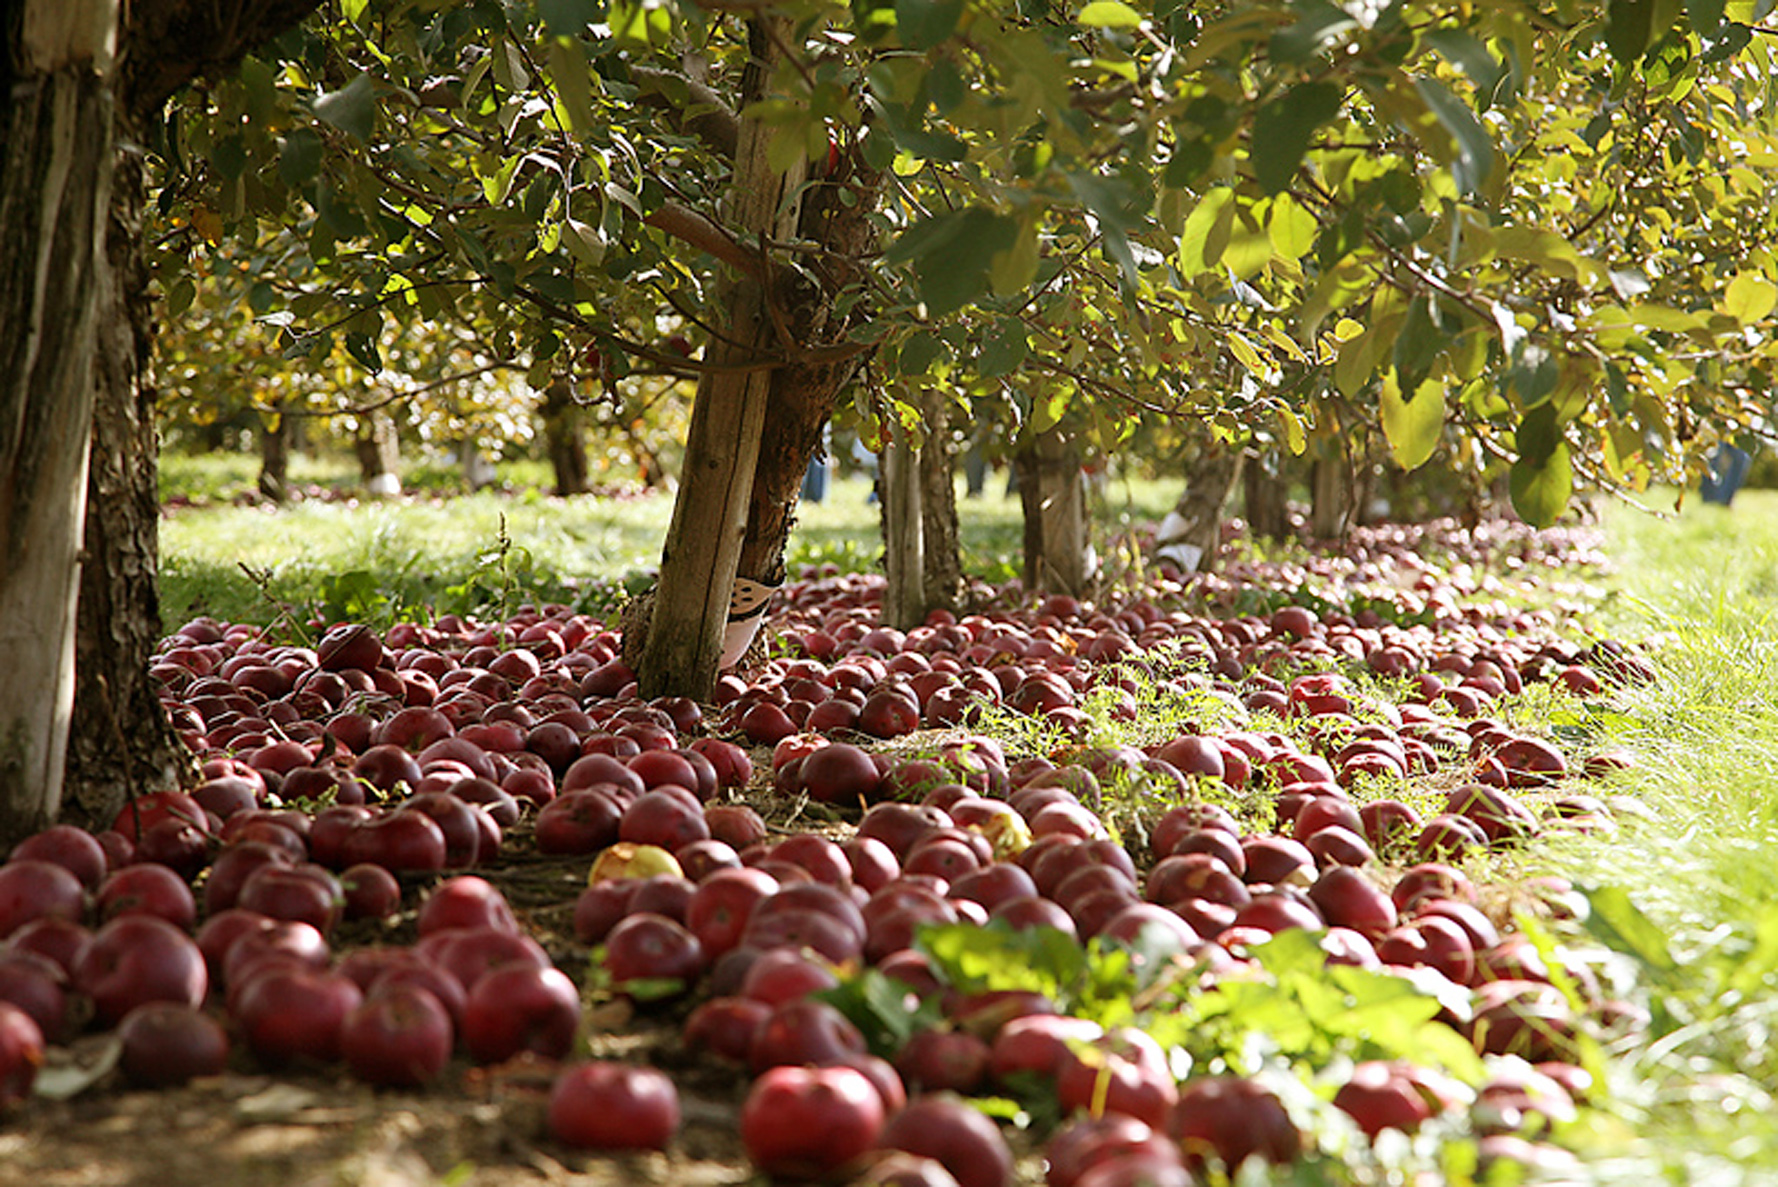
<point>1058,549</point>
<point>1333,498</point>
<point>904,595</point>
<point>274,454</point>
<point>55,188</point>
<point>938,507</point>
<point>700,558</point>
<point>564,429</point>
<point>1191,536</point>
<point>1265,498</point>
<point>379,453</point>
<point>121,743</point>
<point>814,362</point>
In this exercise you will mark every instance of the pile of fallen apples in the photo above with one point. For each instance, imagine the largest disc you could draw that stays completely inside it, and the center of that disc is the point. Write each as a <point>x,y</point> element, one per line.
<point>1341,774</point>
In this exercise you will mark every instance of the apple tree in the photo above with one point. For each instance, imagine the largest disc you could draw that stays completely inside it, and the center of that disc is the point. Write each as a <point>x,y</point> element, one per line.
<point>1500,233</point>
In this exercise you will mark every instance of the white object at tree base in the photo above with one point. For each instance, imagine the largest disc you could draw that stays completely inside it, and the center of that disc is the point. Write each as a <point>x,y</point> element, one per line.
<point>746,610</point>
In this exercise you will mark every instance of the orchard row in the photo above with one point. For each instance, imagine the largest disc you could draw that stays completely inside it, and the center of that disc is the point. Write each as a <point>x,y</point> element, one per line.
<point>1192,790</point>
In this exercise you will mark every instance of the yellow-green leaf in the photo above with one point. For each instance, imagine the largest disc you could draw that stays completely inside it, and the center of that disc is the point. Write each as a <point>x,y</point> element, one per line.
<point>1012,271</point>
<point>1357,361</point>
<point>1412,423</point>
<point>568,66</point>
<point>1294,438</point>
<point>1292,227</point>
<point>1751,298</point>
<point>1206,233</point>
<point>1109,14</point>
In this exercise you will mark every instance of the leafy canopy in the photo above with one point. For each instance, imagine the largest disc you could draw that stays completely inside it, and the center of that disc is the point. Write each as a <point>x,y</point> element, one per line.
<point>1500,231</point>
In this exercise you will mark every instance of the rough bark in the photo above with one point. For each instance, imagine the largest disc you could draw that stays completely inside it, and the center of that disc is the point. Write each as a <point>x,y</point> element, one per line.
<point>1265,499</point>
<point>904,561</point>
<point>940,536</point>
<point>799,339</point>
<point>837,212</point>
<point>564,430</point>
<point>1192,535</point>
<point>121,742</point>
<point>55,187</point>
<point>1052,494</point>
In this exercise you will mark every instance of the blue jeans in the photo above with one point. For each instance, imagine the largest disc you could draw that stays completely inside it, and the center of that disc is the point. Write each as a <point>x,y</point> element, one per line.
<point>1728,470</point>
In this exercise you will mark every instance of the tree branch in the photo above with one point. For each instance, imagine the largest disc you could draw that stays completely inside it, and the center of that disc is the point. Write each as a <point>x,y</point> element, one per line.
<point>688,226</point>
<point>706,116</point>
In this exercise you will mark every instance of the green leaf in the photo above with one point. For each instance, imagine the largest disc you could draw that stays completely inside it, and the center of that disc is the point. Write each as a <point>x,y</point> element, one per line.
<point>919,352</point>
<point>364,348</point>
<point>1113,204</point>
<point>1467,52</point>
<point>1630,27</point>
<point>1357,363</point>
<point>1003,348</point>
<point>1013,269</point>
<point>1292,226</point>
<point>1320,23</point>
<point>1475,150</point>
<point>1421,340</point>
<point>569,18</point>
<point>922,24</point>
<point>1705,16</point>
<point>1414,422</point>
<point>1542,477</point>
<point>1283,128</point>
<point>879,1006</point>
<point>909,130</point>
<point>299,158</point>
<point>352,109</point>
<point>573,79</point>
<point>1109,14</point>
<point>1750,298</point>
<point>1206,233</point>
<point>951,254</point>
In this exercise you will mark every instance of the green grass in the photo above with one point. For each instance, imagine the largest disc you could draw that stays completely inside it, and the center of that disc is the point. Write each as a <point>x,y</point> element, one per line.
<point>421,557</point>
<point>1697,920</point>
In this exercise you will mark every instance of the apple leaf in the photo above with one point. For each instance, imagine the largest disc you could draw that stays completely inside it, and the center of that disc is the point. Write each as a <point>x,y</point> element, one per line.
<point>1109,14</point>
<point>1750,298</point>
<point>922,24</point>
<point>1412,422</point>
<point>352,109</point>
<point>1283,128</point>
<point>1206,233</point>
<point>1540,490</point>
<point>1475,150</point>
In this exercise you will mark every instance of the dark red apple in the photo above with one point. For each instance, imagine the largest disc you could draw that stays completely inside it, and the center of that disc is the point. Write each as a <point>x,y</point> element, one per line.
<point>801,1123</point>
<point>520,1007</point>
<point>399,1035</point>
<point>169,1043</point>
<point>949,1129</point>
<point>613,1106</point>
